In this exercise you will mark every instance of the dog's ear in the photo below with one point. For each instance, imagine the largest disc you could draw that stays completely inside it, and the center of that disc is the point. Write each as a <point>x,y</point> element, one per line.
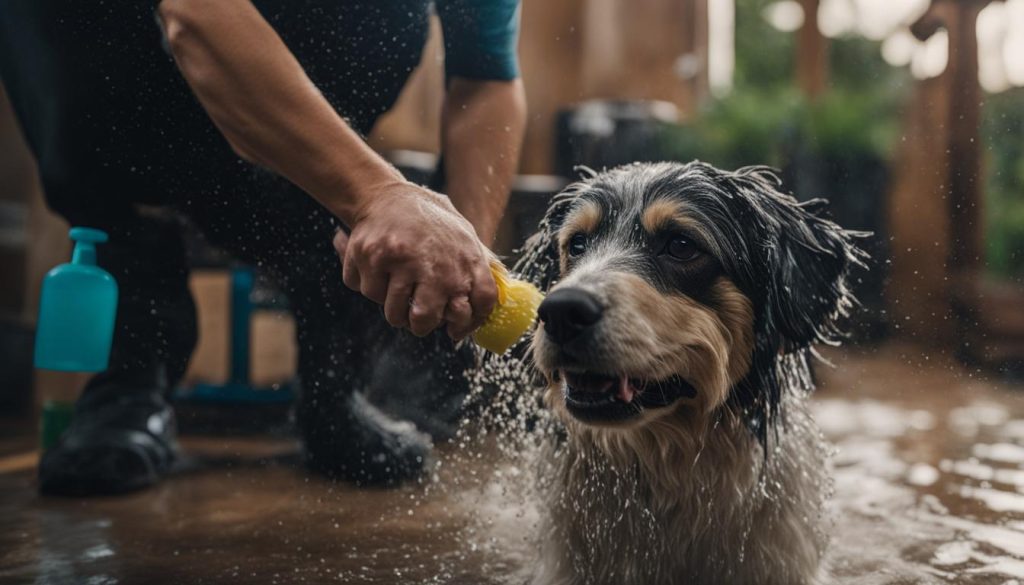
<point>538,258</point>
<point>811,294</point>
<point>808,262</point>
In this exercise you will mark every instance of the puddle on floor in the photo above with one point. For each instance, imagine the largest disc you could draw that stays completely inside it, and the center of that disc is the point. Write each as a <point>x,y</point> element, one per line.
<point>929,472</point>
<point>929,488</point>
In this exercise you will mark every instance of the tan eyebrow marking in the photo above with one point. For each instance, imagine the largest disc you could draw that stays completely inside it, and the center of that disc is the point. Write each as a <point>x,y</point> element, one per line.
<point>584,219</point>
<point>664,213</point>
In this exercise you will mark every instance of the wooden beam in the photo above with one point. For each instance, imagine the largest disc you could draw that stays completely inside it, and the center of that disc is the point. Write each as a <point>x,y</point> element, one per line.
<point>966,195</point>
<point>937,198</point>
<point>962,133</point>
<point>811,53</point>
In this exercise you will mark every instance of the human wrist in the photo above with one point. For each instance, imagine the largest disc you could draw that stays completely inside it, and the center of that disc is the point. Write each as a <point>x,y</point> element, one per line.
<point>356,188</point>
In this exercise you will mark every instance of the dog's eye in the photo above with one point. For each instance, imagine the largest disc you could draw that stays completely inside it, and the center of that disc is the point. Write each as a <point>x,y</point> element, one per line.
<point>577,245</point>
<point>681,249</point>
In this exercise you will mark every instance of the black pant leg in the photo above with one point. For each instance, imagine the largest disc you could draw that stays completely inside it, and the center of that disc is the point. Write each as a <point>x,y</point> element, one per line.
<point>113,125</point>
<point>156,328</point>
<point>102,108</point>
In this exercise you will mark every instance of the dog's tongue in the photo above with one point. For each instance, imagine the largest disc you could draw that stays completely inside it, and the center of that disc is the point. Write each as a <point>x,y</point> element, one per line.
<point>625,392</point>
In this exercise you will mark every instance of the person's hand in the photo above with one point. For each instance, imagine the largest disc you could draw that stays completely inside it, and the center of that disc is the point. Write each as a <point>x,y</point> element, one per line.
<point>412,252</point>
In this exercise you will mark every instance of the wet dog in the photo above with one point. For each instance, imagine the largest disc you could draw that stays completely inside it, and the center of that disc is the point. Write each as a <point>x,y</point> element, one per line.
<point>684,302</point>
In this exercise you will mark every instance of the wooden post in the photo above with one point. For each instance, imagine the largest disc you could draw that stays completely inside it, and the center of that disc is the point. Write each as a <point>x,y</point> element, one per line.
<point>811,53</point>
<point>966,195</point>
<point>962,137</point>
<point>962,134</point>
<point>936,197</point>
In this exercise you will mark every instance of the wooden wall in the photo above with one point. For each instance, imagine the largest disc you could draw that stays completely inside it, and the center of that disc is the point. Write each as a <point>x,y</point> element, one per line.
<point>33,239</point>
<point>572,50</point>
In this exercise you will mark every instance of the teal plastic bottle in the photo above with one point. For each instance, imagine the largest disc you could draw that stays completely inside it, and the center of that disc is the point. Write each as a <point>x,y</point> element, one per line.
<point>77,310</point>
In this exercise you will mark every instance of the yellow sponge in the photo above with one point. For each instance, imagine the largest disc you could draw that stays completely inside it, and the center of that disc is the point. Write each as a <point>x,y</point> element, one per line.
<point>515,313</point>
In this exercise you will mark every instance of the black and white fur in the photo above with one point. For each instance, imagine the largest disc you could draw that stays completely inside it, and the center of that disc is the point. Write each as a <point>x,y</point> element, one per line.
<point>683,304</point>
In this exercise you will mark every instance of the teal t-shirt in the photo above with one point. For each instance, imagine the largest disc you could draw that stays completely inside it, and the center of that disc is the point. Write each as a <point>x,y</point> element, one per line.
<point>480,38</point>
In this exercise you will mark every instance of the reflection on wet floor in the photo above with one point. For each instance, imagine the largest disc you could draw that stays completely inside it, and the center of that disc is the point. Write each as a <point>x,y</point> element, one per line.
<point>246,523</point>
<point>929,471</point>
<point>929,488</point>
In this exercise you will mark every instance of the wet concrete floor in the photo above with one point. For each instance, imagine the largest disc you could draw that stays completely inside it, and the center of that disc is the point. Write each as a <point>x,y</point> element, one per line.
<point>929,470</point>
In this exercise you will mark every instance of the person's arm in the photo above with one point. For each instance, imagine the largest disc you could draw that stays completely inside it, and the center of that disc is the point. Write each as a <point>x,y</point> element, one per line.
<point>481,135</point>
<point>408,248</point>
<point>485,107</point>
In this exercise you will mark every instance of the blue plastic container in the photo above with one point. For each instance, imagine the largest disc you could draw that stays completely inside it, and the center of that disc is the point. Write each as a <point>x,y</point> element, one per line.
<point>77,310</point>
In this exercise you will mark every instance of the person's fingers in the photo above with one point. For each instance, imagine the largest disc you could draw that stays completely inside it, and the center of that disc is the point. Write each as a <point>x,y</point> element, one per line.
<point>459,315</point>
<point>427,309</point>
<point>340,243</point>
<point>350,269</point>
<point>483,297</point>
<point>349,273</point>
<point>398,303</point>
<point>374,286</point>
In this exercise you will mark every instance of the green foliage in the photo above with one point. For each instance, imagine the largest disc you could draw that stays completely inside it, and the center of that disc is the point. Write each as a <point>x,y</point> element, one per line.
<point>1003,135</point>
<point>848,124</point>
<point>743,129</point>
<point>764,56</point>
<point>767,127</point>
<point>765,119</point>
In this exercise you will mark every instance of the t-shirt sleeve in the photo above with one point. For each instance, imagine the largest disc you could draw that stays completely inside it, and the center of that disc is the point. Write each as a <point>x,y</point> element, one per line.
<point>480,38</point>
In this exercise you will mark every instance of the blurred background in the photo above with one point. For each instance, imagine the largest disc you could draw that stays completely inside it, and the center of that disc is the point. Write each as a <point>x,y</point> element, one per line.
<point>907,114</point>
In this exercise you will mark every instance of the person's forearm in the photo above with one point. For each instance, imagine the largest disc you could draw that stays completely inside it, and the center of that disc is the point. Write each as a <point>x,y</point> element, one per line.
<point>482,133</point>
<point>268,109</point>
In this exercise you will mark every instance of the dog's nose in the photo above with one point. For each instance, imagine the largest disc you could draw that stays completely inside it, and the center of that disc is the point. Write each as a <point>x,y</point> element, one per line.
<point>567,312</point>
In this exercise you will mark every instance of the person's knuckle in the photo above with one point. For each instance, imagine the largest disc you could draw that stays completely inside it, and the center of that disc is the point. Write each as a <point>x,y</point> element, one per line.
<point>348,277</point>
<point>356,239</point>
<point>404,249</point>
<point>396,245</point>
<point>375,256</point>
<point>463,308</point>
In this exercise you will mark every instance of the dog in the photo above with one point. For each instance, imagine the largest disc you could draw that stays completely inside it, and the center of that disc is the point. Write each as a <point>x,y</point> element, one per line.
<point>675,342</point>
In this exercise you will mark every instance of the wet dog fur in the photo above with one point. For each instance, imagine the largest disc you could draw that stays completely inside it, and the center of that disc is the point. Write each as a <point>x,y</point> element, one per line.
<point>683,305</point>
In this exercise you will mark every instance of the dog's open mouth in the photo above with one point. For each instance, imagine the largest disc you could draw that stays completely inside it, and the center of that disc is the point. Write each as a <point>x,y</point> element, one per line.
<point>593,397</point>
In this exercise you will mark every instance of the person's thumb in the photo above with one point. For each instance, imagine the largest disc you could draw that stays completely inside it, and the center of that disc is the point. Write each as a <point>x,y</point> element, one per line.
<point>341,243</point>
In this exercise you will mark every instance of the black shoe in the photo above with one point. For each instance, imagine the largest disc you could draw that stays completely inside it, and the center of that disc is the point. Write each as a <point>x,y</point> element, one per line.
<point>122,445</point>
<point>363,445</point>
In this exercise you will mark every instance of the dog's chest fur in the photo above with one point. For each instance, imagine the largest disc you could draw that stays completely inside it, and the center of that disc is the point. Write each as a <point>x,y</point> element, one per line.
<point>675,513</point>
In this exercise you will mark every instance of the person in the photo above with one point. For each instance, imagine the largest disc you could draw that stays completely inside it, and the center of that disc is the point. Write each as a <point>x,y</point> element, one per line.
<point>129,118</point>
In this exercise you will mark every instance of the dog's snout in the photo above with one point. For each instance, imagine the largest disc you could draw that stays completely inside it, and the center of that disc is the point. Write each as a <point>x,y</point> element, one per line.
<point>568,312</point>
